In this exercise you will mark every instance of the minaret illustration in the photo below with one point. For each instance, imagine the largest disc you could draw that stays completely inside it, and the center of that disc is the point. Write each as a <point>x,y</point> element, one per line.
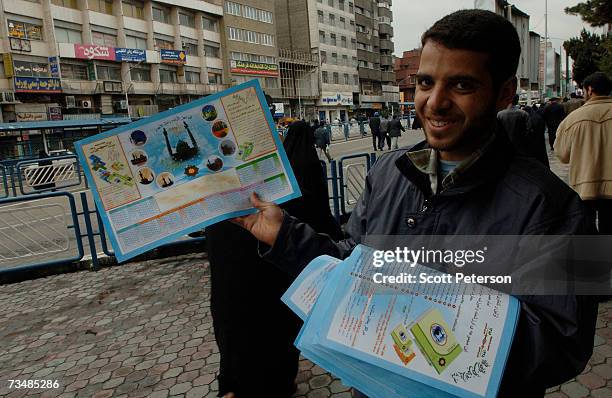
<point>183,150</point>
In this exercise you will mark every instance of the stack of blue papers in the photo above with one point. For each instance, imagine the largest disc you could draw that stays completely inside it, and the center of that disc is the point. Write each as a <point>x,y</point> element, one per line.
<point>402,340</point>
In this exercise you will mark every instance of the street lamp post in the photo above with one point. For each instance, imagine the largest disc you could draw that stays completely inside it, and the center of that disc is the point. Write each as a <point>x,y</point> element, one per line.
<point>127,101</point>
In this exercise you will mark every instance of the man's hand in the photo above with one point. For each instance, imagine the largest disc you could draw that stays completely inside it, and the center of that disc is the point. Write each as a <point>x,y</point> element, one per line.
<point>265,224</point>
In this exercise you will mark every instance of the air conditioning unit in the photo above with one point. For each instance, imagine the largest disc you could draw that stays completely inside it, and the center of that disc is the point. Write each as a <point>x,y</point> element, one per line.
<point>85,104</point>
<point>121,105</point>
<point>70,101</point>
<point>7,97</point>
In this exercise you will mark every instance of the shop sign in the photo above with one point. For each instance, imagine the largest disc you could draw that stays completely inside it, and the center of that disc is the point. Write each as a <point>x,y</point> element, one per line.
<point>173,56</point>
<point>55,113</point>
<point>7,59</point>
<point>337,99</point>
<point>37,84</point>
<point>54,67</point>
<point>130,54</point>
<point>253,68</point>
<point>20,44</point>
<point>94,51</point>
<point>279,109</point>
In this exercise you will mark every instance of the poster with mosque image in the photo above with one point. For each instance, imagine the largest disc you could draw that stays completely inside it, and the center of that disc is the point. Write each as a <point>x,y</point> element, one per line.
<point>159,178</point>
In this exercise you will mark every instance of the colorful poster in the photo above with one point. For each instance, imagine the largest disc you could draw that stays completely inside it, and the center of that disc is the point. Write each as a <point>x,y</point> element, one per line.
<point>130,54</point>
<point>160,178</point>
<point>424,339</point>
<point>94,51</point>
<point>173,57</point>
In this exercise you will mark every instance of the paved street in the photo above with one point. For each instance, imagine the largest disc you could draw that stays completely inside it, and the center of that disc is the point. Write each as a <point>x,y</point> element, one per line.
<point>144,330</point>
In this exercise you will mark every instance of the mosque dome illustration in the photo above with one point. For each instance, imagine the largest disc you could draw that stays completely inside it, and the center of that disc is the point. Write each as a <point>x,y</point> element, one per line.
<point>183,151</point>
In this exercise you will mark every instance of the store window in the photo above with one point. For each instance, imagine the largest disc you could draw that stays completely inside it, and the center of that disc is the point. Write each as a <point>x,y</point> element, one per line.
<point>141,73</point>
<point>214,76</point>
<point>103,6</point>
<point>233,8</point>
<point>107,72</point>
<point>192,77</point>
<point>211,51</point>
<point>104,39</point>
<point>210,24</point>
<point>163,44</point>
<point>161,14</point>
<point>31,69</point>
<point>133,8</point>
<point>73,71</point>
<point>167,75</point>
<point>24,30</point>
<point>136,42</point>
<point>64,35</point>
<point>65,3</point>
<point>190,48</point>
<point>187,19</point>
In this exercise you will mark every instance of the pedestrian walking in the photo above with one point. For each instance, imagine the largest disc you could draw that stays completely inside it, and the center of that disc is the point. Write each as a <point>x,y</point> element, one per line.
<point>465,179</point>
<point>384,134</point>
<point>375,130</point>
<point>323,140</point>
<point>584,140</point>
<point>536,140</point>
<point>395,131</point>
<point>553,115</point>
<point>246,290</point>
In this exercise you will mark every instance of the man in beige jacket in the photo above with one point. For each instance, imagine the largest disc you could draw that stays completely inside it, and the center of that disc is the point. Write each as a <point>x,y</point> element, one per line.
<point>584,140</point>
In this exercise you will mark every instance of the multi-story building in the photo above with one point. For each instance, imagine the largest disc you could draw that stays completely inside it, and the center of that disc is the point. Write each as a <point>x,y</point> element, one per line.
<point>377,87</point>
<point>529,59</point>
<point>92,58</point>
<point>325,29</point>
<point>251,43</point>
<point>406,69</point>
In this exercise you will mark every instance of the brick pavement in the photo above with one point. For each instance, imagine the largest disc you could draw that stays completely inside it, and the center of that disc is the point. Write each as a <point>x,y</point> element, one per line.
<point>144,330</point>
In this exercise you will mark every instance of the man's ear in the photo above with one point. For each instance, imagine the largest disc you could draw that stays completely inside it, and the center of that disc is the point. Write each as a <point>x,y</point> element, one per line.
<point>506,93</point>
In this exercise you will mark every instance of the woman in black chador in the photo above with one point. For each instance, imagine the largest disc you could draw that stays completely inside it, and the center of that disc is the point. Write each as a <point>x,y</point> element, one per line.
<point>255,331</point>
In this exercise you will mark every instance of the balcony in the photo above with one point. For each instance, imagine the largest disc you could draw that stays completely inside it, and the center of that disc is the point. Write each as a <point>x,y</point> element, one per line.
<point>388,77</point>
<point>386,45</point>
<point>386,60</point>
<point>371,98</point>
<point>385,29</point>
<point>363,20</point>
<point>80,86</point>
<point>369,74</point>
<point>385,13</point>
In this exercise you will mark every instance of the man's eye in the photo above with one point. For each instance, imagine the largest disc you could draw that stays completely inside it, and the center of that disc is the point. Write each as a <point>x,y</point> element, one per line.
<point>464,86</point>
<point>425,82</point>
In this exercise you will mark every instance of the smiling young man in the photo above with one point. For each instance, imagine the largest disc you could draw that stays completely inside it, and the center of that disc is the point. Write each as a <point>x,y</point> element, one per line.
<point>465,179</point>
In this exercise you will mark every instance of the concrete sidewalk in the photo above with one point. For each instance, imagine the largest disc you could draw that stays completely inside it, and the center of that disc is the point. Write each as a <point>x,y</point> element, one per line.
<point>144,330</point>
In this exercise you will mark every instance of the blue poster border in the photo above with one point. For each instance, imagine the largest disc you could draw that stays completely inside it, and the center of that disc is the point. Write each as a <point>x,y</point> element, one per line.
<point>121,256</point>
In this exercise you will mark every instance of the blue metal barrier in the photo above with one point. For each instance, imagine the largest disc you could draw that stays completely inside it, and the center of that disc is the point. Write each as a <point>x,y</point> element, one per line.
<point>5,191</point>
<point>335,175</point>
<point>47,177</point>
<point>342,185</point>
<point>74,226</point>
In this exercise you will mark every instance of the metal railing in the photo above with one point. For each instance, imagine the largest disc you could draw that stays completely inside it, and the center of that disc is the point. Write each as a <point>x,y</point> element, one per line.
<point>46,229</point>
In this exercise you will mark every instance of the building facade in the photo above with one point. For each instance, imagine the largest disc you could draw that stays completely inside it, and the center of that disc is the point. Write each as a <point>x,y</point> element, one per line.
<point>377,86</point>
<point>92,58</point>
<point>251,43</point>
<point>406,69</point>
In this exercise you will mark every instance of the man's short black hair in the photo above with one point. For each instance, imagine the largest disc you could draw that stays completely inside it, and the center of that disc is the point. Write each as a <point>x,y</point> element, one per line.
<point>515,99</point>
<point>480,31</point>
<point>599,82</point>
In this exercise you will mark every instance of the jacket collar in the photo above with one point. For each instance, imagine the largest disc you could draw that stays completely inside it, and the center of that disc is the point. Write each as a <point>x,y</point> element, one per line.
<point>600,99</point>
<point>489,165</point>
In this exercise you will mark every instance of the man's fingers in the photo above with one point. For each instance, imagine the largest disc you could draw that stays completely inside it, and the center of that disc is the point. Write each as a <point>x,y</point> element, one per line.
<point>258,203</point>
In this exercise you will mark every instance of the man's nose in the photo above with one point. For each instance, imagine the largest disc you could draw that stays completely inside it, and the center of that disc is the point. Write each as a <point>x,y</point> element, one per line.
<point>439,99</point>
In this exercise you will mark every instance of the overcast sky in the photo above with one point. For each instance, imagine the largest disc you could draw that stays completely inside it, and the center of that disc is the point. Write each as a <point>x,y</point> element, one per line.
<point>412,17</point>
